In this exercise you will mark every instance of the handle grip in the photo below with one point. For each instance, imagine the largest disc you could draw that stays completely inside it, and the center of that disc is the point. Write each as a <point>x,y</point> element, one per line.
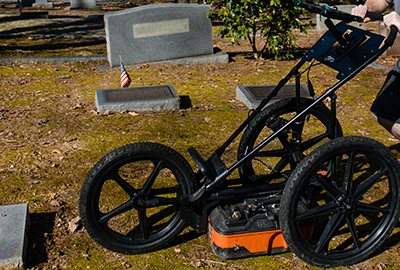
<point>392,36</point>
<point>374,16</point>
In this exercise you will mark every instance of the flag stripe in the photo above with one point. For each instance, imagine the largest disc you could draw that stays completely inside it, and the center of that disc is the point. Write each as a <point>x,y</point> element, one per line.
<point>125,79</point>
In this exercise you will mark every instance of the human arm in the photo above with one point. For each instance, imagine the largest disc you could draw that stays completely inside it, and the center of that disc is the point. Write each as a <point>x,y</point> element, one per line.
<point>393,18</point>
<point>378,6</point>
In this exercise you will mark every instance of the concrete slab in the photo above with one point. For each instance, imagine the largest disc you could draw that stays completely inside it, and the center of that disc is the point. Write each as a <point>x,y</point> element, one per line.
<point>252,95</point>
<point>13,240</point>
<point>145,98</point>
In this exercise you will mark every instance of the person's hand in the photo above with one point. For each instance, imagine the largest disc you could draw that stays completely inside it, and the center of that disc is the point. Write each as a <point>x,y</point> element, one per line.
<point>360,11</point>
<point>392,19</point>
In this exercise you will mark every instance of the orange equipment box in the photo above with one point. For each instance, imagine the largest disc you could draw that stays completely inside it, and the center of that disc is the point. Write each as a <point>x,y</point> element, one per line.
<point>251,234</point>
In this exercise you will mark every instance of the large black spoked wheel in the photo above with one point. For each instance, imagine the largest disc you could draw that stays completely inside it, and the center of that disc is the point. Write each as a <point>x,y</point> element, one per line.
<point>350,190</point>
<point>279,155</point>
<point>123,202</point>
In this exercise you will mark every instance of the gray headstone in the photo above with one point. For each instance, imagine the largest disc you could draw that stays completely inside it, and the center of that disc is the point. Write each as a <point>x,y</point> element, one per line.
<point>252,95</point>
<point>144,98</point>
<point>83,4</point>
<point>39,3</point>
<point>13,222</point>
<point>345,8</point>
<point>158,32</point>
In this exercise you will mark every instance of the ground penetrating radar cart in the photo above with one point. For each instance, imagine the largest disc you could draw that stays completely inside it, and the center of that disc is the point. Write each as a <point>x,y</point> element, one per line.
<point>332,200</point>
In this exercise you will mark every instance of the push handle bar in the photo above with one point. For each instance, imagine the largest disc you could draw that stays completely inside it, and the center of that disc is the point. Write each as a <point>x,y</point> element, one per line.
<point>393,29</point>
<point>330,12</point>
<point>333,13</point>
<point>392,36</point>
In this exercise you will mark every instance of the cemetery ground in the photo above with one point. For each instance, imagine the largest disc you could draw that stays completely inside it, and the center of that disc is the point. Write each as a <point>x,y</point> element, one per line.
<point>51,135</point>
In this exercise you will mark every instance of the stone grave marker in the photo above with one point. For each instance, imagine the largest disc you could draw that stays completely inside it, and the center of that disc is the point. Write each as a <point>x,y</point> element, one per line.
<point>83,4</point>
<point>44,3</point>
<point>13,240</point>
<point>142,98</point>
<point>158,32</point>
<point>251,95</point>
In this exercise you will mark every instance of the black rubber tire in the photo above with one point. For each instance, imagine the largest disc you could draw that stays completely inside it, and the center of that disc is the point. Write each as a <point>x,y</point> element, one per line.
<point>116,186</point>
<point>350,187</point>
<point>276,157</point>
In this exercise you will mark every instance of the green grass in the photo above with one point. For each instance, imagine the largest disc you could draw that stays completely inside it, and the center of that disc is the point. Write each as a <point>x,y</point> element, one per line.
<point>42,158</point>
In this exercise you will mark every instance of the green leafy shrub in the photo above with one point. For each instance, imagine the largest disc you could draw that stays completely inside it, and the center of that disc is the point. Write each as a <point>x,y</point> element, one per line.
<point>272,19</point>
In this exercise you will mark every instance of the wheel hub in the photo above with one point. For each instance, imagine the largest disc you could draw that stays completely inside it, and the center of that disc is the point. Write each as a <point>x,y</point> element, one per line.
<point>345,204</point>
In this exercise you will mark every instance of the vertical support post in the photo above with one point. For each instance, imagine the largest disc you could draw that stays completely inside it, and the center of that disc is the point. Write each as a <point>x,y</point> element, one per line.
<point>333,114</point>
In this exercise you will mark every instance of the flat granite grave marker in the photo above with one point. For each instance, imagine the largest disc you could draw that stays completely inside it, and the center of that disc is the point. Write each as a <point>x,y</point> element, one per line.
<point>158,32</point>
<point>13,222</point>
<point>252,95</point>
<point>143,98</point>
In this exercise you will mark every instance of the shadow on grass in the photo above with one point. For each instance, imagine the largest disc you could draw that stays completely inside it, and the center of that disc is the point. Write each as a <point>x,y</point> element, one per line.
<point>395,149</point>
<point>55,34</point>
<point>183,238</point>
<point>186,102</point>
<point>40,232</point>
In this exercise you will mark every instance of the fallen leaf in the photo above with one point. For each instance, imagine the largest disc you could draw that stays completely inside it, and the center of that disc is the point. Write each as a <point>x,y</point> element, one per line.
<point>196,263</point>
<point>74,224</point>
<point>55,203</point>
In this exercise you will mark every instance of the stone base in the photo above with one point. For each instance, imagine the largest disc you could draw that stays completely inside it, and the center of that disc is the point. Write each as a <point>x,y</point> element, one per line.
<point>43,4</point>
<point>218,56</point>
<point>146,98</point>
<point>13,223</point>
<point>252,95</point>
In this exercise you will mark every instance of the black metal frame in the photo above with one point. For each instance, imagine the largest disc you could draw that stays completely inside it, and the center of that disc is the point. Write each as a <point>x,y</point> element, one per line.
<point>344,48</point>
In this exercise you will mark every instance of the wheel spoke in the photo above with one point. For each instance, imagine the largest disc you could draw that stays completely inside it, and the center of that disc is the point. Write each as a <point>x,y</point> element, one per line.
<point>152,178</point>
<point>332,191</point>
<point>367,185</point>
<point>353,229</point>
<point>117,211</point>
<point>272,153</point>
<point>363,207</point>
<point>329,229</point>
<point>311,142</point>
<point>325,209</point>
<point>348,175</point>
<point>143,223</point>
<point>282,164</point>
<point>131,191</point>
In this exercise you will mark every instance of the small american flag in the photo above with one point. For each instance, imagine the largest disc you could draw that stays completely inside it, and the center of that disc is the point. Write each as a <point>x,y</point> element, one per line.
<point>125,79</point>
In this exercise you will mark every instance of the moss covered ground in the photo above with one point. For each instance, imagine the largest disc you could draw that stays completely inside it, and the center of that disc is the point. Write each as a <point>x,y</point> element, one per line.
<point>51,135</point>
